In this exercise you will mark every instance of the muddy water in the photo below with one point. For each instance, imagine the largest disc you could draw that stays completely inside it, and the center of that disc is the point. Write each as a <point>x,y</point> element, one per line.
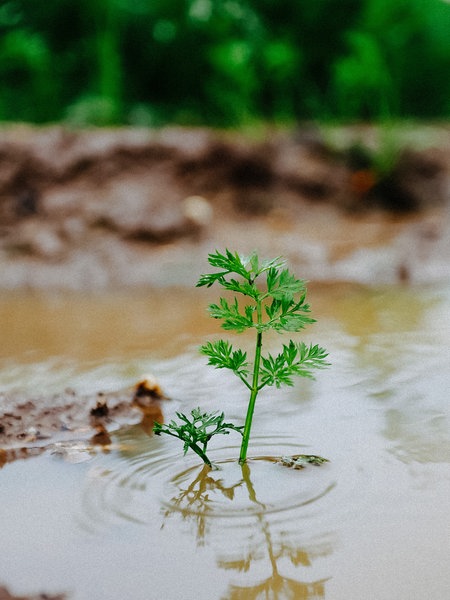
<point>139,521</point>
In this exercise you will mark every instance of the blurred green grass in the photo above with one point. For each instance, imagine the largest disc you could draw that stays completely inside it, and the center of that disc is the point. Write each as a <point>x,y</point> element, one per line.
<point>224,63</point>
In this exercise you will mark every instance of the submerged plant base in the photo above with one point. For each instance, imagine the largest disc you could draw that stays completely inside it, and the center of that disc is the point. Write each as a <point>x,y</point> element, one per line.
<point>230,489</point>
<point>300,461</point>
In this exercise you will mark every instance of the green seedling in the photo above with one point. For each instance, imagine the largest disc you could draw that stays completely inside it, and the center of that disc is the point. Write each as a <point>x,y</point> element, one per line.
<point>196,433</point>
<point>273,299</point>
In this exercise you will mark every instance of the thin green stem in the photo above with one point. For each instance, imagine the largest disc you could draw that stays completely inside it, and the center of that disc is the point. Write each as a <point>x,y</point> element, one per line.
<point>242,378</point>
<point>254,391</point>
<point>200,453</point>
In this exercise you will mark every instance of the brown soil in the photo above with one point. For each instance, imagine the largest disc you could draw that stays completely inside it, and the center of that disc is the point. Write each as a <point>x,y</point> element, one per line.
<point>5,595</point>
<point>107,208</point>
<point>72,426</point>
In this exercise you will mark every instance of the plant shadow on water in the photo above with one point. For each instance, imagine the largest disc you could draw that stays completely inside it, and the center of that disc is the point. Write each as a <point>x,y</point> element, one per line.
<point>261,550</point>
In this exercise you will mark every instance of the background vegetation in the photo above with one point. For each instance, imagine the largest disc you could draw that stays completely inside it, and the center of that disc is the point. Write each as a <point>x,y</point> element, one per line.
<point>223,62</point>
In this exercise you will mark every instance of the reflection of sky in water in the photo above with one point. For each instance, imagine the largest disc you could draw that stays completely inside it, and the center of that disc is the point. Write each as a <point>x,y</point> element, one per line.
<point>377,523</point>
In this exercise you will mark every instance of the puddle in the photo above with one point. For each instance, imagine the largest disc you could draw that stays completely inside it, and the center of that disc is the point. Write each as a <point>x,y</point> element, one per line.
<point>138,520</point>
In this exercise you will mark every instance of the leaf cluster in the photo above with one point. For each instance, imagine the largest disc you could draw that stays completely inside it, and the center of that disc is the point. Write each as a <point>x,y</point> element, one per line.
<point>232,263</point>
<point>195,433</point>
<point>233,318</point>
<point>222,356</point>
<point>294,359</point>
<point>282,295</point>
<point>276,300</point>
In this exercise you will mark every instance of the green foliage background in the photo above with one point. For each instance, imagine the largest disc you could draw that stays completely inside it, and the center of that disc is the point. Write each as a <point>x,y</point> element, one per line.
<point>223,62</point>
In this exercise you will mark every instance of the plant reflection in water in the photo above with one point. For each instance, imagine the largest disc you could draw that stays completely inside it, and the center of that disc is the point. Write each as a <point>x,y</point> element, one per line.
<point>195,503</point>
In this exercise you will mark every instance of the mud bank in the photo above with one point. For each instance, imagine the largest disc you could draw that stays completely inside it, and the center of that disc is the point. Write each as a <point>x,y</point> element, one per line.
<point>5,595</point>
<point>72,426</point>
<point>100,209</point>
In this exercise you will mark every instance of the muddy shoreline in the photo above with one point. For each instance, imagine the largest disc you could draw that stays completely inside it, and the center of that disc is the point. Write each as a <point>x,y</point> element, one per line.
<point>6,595</point>
<point>71,425</point>
<point>103,209</point>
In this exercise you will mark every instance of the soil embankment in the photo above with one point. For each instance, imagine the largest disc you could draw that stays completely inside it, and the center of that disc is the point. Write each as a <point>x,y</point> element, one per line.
<point>108,208</point>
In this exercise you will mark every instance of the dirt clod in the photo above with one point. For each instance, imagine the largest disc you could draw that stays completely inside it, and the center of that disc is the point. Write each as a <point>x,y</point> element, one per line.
<point>29,428</point>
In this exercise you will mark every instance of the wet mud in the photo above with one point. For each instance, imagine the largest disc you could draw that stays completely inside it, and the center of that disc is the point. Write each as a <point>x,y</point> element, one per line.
<point>71,425</point>
<point>6,595</point>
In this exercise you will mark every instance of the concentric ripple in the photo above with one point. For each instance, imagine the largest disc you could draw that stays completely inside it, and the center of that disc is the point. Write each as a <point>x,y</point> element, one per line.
<point>261,486</point>
<point>131,483</point>
<point>124,485</point>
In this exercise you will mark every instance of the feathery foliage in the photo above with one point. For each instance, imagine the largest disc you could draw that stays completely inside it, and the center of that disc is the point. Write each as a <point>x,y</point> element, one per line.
<point>271,298</point>
<point>195,433</point>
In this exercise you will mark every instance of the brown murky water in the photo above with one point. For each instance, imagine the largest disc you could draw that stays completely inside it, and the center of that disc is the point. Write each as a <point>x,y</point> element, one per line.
<point>142,522</point>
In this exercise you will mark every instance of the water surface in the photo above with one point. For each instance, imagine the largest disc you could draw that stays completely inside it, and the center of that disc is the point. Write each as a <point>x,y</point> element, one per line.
<point>140,521</point>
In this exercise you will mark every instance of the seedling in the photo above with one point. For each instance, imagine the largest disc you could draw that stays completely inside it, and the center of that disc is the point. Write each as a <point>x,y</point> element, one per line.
<point>197,432</point>
<point>274,299</point>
